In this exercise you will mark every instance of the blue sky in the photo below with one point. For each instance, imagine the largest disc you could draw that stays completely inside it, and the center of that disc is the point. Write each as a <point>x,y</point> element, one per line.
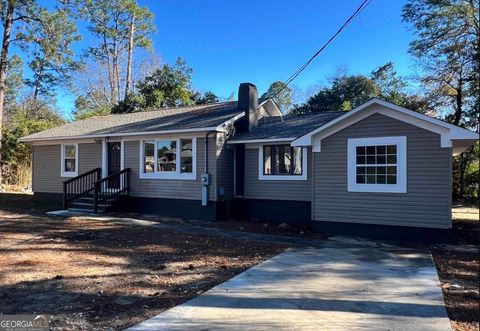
<point>229,42</point>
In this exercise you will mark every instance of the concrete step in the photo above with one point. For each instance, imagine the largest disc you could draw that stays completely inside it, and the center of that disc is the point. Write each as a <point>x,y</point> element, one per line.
<point>89,204</point>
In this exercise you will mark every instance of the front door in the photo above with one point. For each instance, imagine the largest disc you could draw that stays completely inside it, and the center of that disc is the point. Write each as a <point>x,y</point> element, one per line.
<point>113,164</point>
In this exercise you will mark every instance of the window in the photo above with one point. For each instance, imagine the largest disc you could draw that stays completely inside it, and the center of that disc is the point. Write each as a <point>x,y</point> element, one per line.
<point>377,164</point>
<point>282,162</point>
<point>69,160</point>
<point>187,153</point>
<point>167,156</point>
<point>159,158</point>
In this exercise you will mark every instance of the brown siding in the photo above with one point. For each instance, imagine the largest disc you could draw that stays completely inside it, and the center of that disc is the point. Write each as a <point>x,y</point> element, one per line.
<point>46,165</point>
<point>295,190</point>
<point>169,188</point>
<point>427,202</point>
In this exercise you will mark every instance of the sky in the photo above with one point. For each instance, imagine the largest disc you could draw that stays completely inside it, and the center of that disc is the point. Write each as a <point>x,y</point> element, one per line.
<point>230,42</point>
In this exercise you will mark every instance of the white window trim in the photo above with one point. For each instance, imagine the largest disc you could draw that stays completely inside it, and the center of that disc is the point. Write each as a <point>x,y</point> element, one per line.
<point>262,176</point>
<point>64,173</point>
<point>400,187</point>
<point>170,175</point>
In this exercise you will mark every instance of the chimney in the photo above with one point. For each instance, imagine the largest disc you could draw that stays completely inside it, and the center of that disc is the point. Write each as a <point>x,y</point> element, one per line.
<point>248,102</point>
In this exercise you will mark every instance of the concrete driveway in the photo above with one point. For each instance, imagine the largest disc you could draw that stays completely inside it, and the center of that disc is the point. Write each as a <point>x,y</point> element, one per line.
<point>345,285</point>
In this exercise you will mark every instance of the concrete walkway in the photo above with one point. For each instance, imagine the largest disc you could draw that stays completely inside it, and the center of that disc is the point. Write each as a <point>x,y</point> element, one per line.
<point>344,285</point>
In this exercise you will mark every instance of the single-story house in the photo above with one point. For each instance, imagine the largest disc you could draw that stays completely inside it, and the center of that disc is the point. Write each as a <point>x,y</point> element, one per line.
<point>378,164</point>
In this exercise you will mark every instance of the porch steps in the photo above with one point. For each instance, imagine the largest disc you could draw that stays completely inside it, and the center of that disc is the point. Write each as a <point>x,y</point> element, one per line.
<point>85,204</point>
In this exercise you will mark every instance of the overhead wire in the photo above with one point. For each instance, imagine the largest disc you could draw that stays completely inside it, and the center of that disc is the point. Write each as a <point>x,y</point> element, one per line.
<point>355,14</point>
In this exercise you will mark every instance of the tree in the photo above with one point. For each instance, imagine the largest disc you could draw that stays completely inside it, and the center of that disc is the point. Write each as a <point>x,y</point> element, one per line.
<point>393,88</point>
<point>26,118</point>
<point>281,94</point>
<point>18,19</point>
<point>50,37</point>
<point>119,26</point>
<point>448,50</point>
<point>207,98</point>
<point>13,82</point>
<point>346,93</point>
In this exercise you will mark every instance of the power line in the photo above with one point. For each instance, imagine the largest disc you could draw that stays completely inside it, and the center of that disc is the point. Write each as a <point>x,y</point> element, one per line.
<point>357,12</point>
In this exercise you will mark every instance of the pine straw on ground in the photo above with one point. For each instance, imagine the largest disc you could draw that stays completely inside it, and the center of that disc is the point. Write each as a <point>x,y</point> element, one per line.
<point>90,274</point>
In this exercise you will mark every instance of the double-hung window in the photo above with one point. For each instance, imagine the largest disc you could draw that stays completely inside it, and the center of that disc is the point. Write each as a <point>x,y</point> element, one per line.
<point>377,164</point>
<point>282,162</point>
<point>168,158</point>
<point>69,160</point>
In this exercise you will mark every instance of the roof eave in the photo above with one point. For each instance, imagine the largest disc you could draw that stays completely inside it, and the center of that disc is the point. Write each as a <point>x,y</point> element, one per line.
<point>447,131</point>
<point>256,141</point>
<point>117,134</point>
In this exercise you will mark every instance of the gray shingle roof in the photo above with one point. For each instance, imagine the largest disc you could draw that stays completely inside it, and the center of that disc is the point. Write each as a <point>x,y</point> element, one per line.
<point>292,126</point>
<point>184,118</point>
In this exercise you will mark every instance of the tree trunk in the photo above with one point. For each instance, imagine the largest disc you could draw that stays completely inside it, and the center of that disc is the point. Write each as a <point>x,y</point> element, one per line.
<point>459,103</point>
<point>116,82</point>
<point>130,56</point>
<point>3,68</point>
<point>36,88</point>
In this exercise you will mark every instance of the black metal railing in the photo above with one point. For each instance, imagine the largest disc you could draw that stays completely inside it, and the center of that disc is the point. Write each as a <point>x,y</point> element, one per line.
<point>79,186</point>
<point>110,187</point>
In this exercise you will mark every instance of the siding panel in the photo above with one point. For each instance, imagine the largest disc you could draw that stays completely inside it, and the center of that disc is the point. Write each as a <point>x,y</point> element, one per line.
<point>427,202</point>
<point>224,167</point>
<point>295,190</point>
<point>169,188</point>
<point>46,165</point>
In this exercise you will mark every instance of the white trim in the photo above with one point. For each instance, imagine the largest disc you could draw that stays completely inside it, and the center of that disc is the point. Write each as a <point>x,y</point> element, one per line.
<point>400,187</point>
<point>262,176</point>
<point>104,159</point>
<point>105,156</point>
<point>170,175</point>
<point>257,141</point>
<point>447,131</point>
<point>122,155</point>
<point>64,173</point>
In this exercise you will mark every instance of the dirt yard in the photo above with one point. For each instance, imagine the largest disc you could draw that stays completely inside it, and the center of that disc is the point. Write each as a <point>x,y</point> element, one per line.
<point>93,275</point>
<point>458,266</point>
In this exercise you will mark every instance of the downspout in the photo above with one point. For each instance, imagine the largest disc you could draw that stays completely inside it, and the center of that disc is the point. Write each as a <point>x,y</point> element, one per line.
<point>205,178</point>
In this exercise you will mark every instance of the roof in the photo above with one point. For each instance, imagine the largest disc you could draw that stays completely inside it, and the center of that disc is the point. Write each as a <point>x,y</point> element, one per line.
<point>291,127</point>
<point>451,135</point>
<point>182,119</point>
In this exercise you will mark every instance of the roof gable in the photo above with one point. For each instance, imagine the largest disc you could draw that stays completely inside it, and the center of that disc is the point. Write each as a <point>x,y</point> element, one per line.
<point>448,132</point>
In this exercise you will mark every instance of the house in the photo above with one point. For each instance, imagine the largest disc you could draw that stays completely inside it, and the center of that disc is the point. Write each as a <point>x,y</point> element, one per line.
<point>378,164</point>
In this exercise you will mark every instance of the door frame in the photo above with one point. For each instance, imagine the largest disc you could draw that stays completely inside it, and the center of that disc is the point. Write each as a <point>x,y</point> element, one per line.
<point>105,156</point>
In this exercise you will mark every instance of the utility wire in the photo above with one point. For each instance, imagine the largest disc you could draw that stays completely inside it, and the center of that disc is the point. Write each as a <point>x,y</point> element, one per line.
<point>357,12</point>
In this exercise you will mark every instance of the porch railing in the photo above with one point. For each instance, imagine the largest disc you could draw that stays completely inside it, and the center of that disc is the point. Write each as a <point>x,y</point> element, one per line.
<point>110,187</point>
<point>78,186</point>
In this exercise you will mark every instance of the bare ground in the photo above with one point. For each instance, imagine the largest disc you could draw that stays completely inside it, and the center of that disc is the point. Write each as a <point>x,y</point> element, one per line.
<point>95,275</point>
<point>91,274</point>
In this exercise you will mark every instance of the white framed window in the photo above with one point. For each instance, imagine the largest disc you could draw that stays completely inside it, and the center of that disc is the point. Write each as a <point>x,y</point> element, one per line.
<point>282,162</point>
<point>377,164</point>
<point>168,158</point>
<point>69,160</point>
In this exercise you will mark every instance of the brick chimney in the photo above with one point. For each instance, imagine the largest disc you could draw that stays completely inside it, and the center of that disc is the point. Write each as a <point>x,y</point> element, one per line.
<point>248,102</point>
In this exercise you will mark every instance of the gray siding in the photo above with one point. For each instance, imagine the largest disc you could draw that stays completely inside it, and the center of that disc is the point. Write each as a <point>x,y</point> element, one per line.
<point>169,188</point>
<point>295,190</point>
<point>224,167</point>
<point>427,202</point>
<point>46,169</point>
<point>46,165</point>
<point>90,157</point>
